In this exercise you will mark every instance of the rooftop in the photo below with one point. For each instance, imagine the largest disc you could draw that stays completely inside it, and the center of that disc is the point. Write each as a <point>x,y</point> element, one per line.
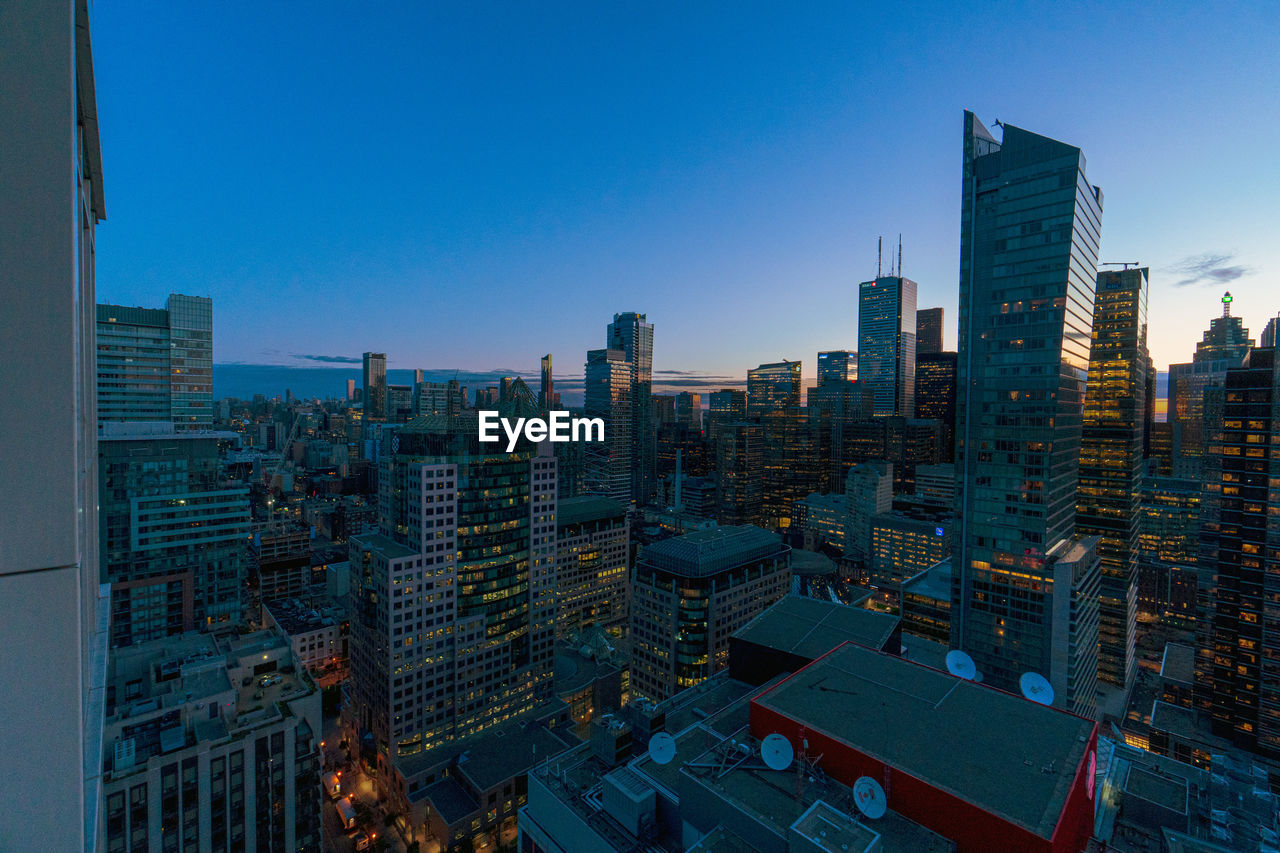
<point>384,545</point>
<point>934,582</point>
<point>295,618</point>
<point>705,552</point>
<point>810,628</point>
<point>1005,754</point>
<point>1178,663</point>
<point>589,508</point>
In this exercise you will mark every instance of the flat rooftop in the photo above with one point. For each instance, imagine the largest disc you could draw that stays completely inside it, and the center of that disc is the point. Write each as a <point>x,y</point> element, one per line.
<point>588,508</point>
<point>810,628</point>
<point>934,582</point>
<point>706,552</point>
<point>385,545</point>
<point>1005,754</point>
<point>1178,663</point>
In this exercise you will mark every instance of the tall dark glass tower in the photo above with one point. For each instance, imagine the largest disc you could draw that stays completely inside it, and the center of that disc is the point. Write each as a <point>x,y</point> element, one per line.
<point>1245,629</point>
<point>608,395</point>
<point>1224,346</point>
<point>1111,460</point>
<point>936,396</point>
<point>375,386</point>
<point>633,336</point>
<point>928,330</point>
<point>547,391</point>
<point>1025,586</point>
<point>887,343</point>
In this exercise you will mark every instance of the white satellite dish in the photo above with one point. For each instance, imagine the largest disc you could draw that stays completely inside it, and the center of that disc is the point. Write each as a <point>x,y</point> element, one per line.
<point>1036,688</point>
<point>869,797</point>
<point>662,748</point>
<point>777,752</point>
<point>961,665</point>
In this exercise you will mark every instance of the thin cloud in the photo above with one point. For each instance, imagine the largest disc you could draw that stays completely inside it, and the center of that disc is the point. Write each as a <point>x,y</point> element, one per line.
<point>1208,268</point>
<point>329,359</point>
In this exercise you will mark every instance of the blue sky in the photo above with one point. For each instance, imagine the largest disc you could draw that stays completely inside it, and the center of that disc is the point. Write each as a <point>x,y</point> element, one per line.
<point>472,185</point>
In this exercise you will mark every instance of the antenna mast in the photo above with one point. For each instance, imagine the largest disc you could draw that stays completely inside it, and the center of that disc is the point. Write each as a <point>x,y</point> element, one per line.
<point>899,254</point>
<point>879,253</point>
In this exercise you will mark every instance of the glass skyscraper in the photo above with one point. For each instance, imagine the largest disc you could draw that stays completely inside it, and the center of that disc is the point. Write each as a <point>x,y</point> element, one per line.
<point>1026,587</point>
<point>156,364</point>
<point>772,388</point>
<point>1225,344</point>
<point>633,336</point>
<point>608,395</point>
<point>1111,460</point>
<point>928,330</point>
<point>837,366</point>
<point>887,343</point>
<point>374,381</point>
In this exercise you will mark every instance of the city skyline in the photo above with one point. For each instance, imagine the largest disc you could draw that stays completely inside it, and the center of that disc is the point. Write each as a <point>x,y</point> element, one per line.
<point>748,184</point>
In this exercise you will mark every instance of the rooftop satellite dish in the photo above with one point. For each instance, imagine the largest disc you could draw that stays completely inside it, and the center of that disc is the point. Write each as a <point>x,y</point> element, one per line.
<point>961,665</point>
<point>978,677</point>
<point>869,797</point>
<point>777,752</point>
<point>1036,688</point>
<point>662,748</point>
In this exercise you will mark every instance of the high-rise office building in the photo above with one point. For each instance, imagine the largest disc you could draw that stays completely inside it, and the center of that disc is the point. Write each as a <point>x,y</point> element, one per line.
<point>739,452</point>
<point>887,343</point>
<point>374,385</point>
<point>928,331</point>
<point>547,389</point>
<point>837,366</point>
<point>1026,586</point>
<point>453,600</point>
<point>172,532</point>
<point>689,409</point>
<point>53,610</point>
<point>1245,627</point>
<point>608,395</point>
<point>156,364</point>
<point>351,390</point>
<point>723,407</point>
<point>1224,346</point>
<point>936,396</point>
<point>631,334</point>
<point>690,593</point>
<point>773,387</point>
<point>592,561</point>
<point>1110,475</point>
<point>868,492</point>
<point>1268,337</point>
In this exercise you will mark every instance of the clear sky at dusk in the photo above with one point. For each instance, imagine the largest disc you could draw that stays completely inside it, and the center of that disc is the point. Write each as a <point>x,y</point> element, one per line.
<point>471,185</point>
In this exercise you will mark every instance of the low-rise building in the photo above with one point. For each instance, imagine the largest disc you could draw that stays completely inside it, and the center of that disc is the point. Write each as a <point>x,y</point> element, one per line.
<point>211,743</point>
<point>316,631</point>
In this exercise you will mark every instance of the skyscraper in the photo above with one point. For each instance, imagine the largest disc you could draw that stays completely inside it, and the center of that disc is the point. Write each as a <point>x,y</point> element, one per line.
<point>156,364</point>
<point>453,599</point>
<point>1245,671</point>
<point>887,343</point>
<point>773,387</point>
<point>837,366</point>
<point>633,336</point>
<point>928,330</point>
<point>1224,346</point>
<point>689,409</point>
<point>374,385</point>
<point>547,390</point>
<point>1026,586</point>
<point>608,395</point>
<point>1110,475</point>
<point>53,610</point>
<point>936,396</point>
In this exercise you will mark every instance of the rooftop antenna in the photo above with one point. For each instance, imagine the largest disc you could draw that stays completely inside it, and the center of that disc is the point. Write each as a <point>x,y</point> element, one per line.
<point>1226,304</point>
<point>899,254</point>
<point>879,253</point>
<point>1125,264</point>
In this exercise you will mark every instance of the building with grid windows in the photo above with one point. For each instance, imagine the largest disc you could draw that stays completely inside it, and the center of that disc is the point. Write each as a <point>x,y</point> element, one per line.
<point>453,598</point>
<point>1026,586</point>
<point>607,465</point>
<point>928,330</point>
<point>211,743</point>
<point>1111,460</point>
<point>772,388</point>
<point>887,343</point>
<point>156,364</point>
<point>593,541</point>
<point>690,593</point>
